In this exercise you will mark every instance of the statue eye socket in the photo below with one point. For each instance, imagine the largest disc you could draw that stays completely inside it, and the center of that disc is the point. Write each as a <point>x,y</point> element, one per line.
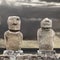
<point>47,21</point>
<point>17,18</point>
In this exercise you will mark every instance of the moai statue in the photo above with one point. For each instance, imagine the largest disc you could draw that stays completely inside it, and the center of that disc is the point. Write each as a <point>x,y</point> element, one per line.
<point>45,35</point>
<point>13,37</point>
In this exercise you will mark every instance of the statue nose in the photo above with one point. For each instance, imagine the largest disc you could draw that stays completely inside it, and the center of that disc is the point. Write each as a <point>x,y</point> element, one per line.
<point>14,22</point>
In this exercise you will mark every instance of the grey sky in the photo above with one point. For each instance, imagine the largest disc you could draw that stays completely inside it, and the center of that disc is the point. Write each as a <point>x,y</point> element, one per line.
<point>17,3</point>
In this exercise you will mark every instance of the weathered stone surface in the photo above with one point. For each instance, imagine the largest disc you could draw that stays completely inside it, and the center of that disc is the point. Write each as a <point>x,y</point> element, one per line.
<point>3,57</point>
<point>13,40</point>
<point>14,22</point>
<point>8,52</point>
<point>27,57</point>
<point>46,23</point>
<point>44,56</point>
<point>45,35</point>
<point>13,37</point>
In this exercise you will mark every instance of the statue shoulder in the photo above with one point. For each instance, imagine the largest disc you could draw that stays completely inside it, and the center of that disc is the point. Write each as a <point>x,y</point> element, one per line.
<point>7,32</point>
<point>53,32</point>
<point>20,33</point>
<point>39,30</point>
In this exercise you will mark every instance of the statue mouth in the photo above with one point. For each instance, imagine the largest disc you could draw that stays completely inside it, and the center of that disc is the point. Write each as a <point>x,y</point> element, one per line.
<point>14,24</point>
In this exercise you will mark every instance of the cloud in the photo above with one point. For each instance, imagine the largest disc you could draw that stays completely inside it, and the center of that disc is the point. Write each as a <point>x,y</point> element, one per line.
<point>37,3</point>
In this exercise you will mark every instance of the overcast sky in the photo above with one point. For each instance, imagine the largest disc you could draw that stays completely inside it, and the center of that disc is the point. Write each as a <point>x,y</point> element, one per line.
<point>16,2</point>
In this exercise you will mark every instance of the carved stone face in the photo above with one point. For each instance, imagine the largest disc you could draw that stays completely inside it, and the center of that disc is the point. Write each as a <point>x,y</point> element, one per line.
<point>46,23</point>
<point>14,23</point>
